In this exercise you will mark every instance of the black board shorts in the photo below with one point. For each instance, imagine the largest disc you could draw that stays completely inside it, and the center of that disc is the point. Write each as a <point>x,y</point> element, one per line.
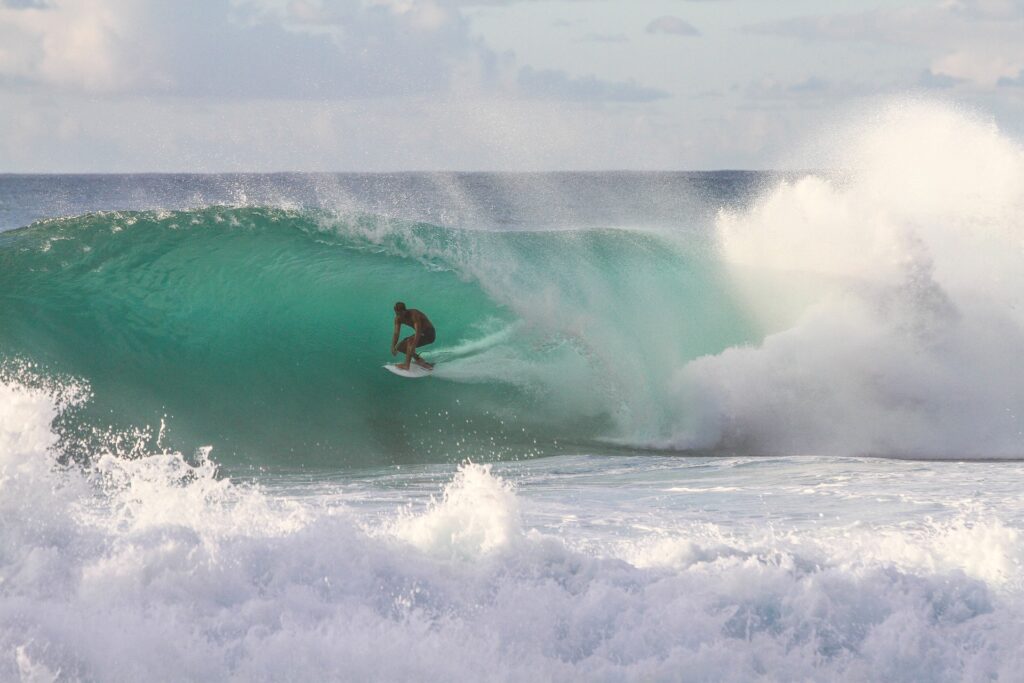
<point>427,336</point>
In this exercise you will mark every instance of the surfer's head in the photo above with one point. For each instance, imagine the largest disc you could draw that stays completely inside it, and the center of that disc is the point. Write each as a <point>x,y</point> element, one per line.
<point>399,307</point>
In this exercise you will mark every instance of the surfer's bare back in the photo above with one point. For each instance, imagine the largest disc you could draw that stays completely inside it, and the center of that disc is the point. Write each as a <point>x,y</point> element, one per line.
<point>423,335</point>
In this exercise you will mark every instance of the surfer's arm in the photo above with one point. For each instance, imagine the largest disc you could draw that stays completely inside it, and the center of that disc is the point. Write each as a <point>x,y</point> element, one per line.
<point>394,337</point>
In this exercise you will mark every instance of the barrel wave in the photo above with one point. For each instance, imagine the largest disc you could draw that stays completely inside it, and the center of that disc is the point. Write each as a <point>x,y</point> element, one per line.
<point>875,309</point>
<point>262,331</point>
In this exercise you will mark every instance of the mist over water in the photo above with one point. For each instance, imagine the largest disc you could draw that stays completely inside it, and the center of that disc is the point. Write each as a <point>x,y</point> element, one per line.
<point>205,474</point>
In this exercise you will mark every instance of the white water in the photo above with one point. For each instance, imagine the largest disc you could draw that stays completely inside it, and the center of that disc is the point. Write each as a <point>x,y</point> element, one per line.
<point>894,294</point>
<point>571,568</point>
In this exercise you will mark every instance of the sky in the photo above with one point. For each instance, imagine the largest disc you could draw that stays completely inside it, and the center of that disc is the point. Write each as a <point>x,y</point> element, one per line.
<point>504,85</point>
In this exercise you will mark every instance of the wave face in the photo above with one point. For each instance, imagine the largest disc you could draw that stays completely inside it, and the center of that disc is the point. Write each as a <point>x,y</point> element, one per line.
<point>262,331</point>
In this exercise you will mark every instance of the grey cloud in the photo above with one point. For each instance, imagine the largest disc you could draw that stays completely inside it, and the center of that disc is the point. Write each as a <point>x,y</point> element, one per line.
<point>605,38</point>
<point>971,41</point>
<point>813,88</point>
<point>868,27</point>
<point>942,23</point>
<point>1014,82</point>
<point>989,9</point>
<point>672,26</point>
<point>930,79</point>
<point>810,85</point>
<point>554,84</point>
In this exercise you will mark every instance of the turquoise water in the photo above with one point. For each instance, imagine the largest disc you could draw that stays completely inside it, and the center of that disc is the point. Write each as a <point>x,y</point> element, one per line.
<point>261,332</point>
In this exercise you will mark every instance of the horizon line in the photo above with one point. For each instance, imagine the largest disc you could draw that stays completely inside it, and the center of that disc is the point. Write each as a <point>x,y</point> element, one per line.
<point>404,172</point>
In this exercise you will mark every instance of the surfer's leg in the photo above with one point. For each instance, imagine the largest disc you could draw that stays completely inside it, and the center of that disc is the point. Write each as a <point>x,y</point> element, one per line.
<point>405,347</point>
<point>426,338</point>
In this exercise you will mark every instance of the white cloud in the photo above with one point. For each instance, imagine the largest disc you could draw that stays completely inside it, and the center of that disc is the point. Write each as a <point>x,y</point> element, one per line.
<point>93,85</point>
<point>983,65</point>
<point>218,48</point>
<point>86,44</point>
<point>308,50</point>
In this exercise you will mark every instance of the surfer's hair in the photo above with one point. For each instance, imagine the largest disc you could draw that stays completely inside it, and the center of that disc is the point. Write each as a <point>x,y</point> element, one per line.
<point>399,306</point>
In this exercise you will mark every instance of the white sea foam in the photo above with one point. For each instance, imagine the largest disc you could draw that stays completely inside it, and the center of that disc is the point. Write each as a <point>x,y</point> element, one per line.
<point>894,296</point>
<point>153,568</point>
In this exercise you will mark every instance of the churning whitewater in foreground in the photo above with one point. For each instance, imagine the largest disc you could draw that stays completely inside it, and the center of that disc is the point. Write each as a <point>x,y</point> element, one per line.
<point>603,568</point>
<point>205,474</point>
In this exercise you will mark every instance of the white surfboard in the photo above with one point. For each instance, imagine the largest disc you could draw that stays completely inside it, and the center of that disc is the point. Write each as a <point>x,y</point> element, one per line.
<point>413,372</point>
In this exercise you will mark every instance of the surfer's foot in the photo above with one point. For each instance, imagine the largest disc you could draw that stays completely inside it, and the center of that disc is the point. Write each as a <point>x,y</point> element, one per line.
<point>402,366</point>
<point>424,364</point>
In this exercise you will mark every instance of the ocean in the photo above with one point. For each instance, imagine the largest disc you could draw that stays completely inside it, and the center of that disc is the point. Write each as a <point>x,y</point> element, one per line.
<point>683,426</point>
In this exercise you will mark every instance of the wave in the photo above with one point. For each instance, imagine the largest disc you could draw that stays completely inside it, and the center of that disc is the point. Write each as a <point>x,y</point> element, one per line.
<point>892,294</point>
<point>152,564</point>
<point>261,331</point>
<point>874,310</point>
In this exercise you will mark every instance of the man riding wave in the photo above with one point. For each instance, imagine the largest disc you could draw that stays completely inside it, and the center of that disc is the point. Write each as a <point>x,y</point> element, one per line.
<point>423,334</point>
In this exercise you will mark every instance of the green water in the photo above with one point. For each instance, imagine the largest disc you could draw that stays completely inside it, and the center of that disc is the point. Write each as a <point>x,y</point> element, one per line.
<point>261,332</point>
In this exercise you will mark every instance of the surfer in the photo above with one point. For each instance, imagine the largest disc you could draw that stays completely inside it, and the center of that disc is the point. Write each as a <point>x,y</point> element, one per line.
<point>424,334</point>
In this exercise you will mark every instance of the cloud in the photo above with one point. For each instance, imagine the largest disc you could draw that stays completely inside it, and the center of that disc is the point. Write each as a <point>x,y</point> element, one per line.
<point>812,90</point>
<point>975,42</point>
<point>554,84</point>
<point>219,48</point>
<point>1012,82</point>
<point>605,38</point>
<point>810,85</point>
<point>239,49</point>
<point>988,9</point>
<point>930,79</point>
<point>672,26</point>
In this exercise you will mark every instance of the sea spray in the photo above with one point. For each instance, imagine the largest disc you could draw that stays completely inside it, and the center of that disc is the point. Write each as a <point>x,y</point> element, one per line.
<point>477,515</point>
<point>894,291</point>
